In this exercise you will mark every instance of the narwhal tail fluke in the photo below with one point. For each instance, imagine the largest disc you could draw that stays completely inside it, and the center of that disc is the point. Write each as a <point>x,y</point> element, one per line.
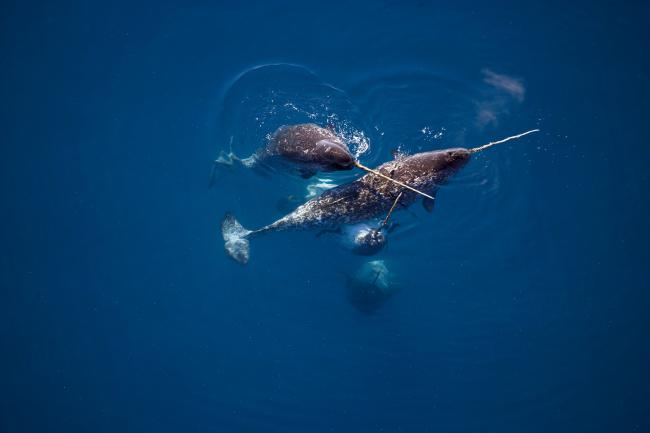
<point>235,238</point>
<point>492,143</point>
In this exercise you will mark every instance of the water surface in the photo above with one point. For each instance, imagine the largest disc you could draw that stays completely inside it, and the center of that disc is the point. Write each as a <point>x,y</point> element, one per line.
<point>523,297</point>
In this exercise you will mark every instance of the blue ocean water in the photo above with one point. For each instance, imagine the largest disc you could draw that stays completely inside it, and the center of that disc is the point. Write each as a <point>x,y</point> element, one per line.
<point>522,299</point>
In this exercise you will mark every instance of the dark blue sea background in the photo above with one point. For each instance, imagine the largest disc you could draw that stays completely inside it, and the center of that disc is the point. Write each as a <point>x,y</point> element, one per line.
<point>522,300</point>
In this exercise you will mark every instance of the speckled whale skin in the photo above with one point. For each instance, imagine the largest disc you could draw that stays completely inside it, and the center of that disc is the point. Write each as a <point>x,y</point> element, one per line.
<point>306,146</point>
<point>371,196</point>
<point>368,197</point>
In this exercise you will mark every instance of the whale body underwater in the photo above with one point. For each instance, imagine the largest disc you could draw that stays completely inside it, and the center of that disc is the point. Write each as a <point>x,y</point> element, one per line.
<point>363,199</point>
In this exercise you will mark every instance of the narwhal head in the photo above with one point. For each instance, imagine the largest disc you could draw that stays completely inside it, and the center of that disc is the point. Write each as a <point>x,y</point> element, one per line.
<point>454,159</point>
<point>444,163</point>
<point>422,172</point>
<point>448,161</point>
<point>428,169</point>
<point>334,155</point>
<point>313,146</point>
<point>369,241</point>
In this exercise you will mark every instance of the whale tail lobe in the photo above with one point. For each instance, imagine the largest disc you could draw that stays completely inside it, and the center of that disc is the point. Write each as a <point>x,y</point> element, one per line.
<point>235,238</point>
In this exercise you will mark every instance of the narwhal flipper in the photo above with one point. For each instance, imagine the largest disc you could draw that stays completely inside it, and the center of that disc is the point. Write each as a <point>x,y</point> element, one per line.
<point>235,239</point>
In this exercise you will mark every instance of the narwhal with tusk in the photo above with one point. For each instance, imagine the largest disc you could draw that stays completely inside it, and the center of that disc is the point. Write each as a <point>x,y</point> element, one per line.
<point>368,197</point>
<point>305,148</point>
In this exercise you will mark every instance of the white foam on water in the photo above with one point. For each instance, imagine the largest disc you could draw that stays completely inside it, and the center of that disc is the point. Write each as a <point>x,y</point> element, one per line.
<point>318,186</point>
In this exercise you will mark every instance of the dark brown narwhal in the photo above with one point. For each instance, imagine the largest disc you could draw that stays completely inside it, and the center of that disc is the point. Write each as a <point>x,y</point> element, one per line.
<point>304,148</point>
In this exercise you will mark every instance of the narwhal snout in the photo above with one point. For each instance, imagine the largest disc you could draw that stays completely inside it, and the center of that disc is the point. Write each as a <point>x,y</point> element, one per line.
<point>457,158</point>
<point>337,156</point>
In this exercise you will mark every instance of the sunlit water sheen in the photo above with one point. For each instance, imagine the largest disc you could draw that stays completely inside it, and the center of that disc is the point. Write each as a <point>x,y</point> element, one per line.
<point>519,305</point>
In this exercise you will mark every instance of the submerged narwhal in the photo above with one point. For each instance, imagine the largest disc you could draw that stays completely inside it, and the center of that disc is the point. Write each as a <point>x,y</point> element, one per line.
<point>366,198</point>
<point>370,286</point>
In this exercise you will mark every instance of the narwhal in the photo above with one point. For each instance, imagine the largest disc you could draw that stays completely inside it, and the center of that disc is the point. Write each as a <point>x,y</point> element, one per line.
<point>371,285</point>
<point>304,148</point>
<point>368,197</point>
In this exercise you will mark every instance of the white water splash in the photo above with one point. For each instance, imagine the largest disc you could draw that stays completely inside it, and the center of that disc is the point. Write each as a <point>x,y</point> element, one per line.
<point>429,132</point>
<point>318,186</point>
